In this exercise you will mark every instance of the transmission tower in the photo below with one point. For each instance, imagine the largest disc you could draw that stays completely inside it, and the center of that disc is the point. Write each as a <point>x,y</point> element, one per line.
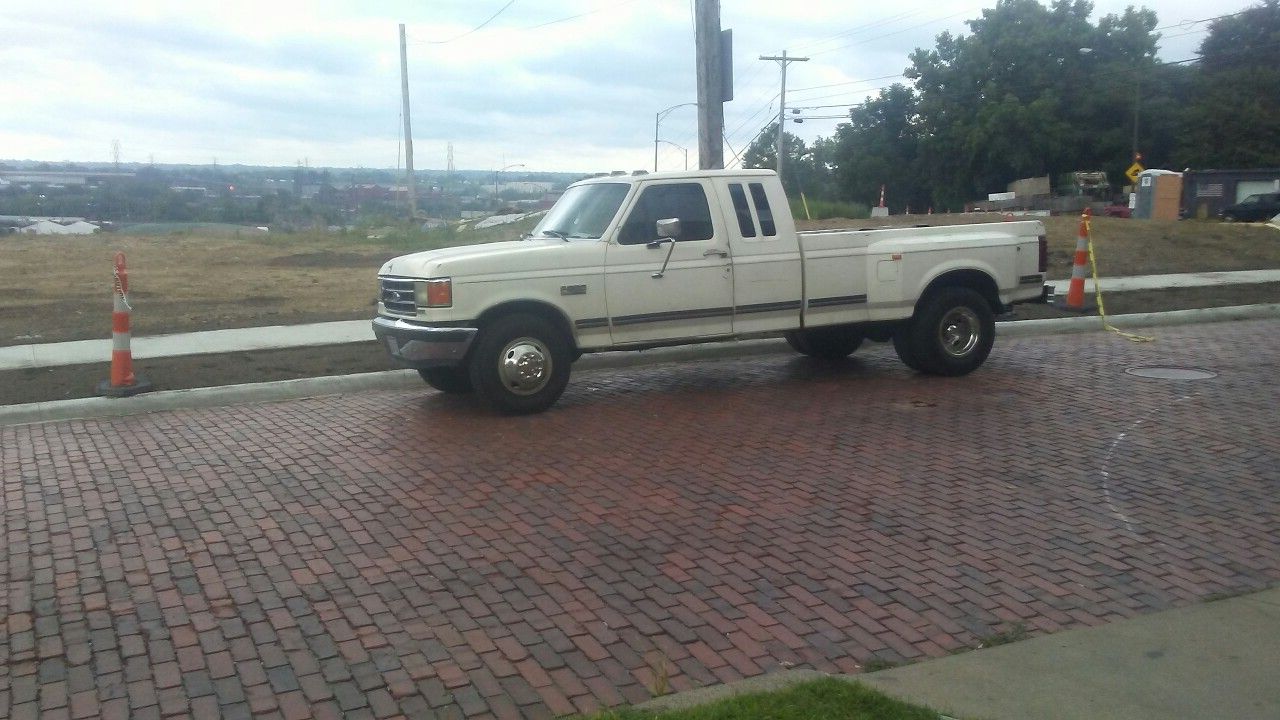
<point>448,173</point>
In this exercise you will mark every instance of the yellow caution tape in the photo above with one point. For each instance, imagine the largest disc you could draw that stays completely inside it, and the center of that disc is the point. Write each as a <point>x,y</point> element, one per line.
<point>119,288</point>
<point>1097,291</point>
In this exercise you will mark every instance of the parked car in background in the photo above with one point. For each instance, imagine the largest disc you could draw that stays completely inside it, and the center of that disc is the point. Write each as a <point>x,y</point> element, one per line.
<point>1255,208</point>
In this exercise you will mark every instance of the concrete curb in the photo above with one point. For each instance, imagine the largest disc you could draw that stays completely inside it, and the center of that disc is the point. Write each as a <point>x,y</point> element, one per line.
<point>87,408</point>
<point>1093,323</point>
<point>771,682</point>
<point>100,407</point>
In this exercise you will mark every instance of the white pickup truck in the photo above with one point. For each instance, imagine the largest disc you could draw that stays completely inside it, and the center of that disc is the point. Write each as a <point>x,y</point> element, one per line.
<point>627,263</point>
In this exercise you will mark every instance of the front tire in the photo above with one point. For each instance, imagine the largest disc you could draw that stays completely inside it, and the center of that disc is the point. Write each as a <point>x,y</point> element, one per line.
<point>451,380</point>
<point>520,364</point>
<point>951,334</point>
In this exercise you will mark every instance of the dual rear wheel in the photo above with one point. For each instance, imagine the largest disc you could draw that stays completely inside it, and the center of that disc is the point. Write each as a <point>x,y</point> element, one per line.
<point>951,333</point>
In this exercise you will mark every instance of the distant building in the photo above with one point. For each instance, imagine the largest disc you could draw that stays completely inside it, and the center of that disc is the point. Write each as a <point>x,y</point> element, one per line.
<point>1206,192</point>
<point>59,177</point>
<point>526,187</point>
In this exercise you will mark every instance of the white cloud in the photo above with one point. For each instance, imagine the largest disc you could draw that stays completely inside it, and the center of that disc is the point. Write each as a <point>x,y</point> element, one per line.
<point>271,83</point>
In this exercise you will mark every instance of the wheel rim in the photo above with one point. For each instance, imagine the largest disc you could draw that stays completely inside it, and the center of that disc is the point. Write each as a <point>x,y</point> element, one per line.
<point>524,366</point>
<point>959,331</point>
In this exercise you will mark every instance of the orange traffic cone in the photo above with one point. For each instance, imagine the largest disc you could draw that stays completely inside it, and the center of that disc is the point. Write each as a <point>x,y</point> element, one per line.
<point>123,381</point>
<point>1075,301</point>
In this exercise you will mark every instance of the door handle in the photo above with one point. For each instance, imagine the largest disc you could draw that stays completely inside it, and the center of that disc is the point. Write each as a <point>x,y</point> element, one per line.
<point>714,253</point>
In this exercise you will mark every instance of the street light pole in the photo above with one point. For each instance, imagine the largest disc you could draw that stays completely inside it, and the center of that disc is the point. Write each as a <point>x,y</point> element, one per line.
<point>681,148</point>
<point>1137,87</point>
<point>657,118</point>
<point>495,176</point>
<point>1137,97</point>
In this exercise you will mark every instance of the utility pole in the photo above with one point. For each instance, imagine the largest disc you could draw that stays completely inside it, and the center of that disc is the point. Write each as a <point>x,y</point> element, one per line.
<point>712,73</point>
<point>782,103</point>
<point>408,130</point>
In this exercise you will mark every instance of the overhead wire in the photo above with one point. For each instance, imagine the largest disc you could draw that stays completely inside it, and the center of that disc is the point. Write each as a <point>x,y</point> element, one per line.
<point>897,32</point>
<point>475,29</point>
<point>580,15</point>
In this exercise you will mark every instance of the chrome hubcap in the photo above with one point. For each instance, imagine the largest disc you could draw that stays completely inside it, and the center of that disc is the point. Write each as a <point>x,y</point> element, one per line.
<point>959,331</point>
<point>524,366</point>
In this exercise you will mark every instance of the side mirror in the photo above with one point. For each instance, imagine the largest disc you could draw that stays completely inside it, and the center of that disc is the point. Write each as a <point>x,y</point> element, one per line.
<point>668,231</point>
<point>669,228</point>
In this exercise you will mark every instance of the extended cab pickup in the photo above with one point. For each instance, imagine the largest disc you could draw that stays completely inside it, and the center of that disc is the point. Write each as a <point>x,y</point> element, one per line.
<point>673,258</point>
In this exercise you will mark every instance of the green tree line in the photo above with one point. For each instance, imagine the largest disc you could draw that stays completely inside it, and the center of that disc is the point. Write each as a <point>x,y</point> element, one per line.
<point>1038,90</point>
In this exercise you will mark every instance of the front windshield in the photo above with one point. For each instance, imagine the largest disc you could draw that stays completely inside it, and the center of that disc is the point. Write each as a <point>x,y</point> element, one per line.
<point>584,211</point>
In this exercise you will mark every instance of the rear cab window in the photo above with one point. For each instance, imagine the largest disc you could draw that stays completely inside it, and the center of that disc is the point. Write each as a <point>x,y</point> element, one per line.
<point>746,224</point>
<point>767,226</point>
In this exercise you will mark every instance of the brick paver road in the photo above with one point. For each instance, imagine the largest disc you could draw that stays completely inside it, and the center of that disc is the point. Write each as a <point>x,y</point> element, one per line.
<point>666,526</point>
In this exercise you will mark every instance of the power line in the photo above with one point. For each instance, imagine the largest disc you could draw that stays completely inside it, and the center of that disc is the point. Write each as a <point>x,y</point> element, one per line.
<point>580,15</point>
<point>1186,23</point>
<point>850,82</point>
<point>474,29</point>
<point>862,28</point>
<point>898,32</point>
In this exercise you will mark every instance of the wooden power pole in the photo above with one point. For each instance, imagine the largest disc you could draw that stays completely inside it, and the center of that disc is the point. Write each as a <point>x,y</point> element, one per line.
<point>408,130</point>
<point>711,84</point>
<point>781,147</point>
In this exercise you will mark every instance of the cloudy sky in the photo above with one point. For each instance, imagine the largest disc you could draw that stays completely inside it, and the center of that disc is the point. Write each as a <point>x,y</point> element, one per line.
<point>565,85</point>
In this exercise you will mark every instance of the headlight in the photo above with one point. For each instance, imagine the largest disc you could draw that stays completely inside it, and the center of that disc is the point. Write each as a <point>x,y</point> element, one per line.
<point>436,293</point>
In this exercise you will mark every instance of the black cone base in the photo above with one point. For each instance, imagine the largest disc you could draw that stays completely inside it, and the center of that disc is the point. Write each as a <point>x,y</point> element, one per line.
<point>140,385</point>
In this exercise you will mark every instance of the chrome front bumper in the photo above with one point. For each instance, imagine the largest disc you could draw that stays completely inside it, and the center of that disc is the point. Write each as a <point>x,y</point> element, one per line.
<point>422,346</point>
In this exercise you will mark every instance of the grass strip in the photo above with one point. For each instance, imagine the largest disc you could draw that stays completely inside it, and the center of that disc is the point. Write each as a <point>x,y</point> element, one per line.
<point>825,699</point>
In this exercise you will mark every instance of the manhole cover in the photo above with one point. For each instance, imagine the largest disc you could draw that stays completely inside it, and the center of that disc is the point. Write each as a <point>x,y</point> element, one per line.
<point>1171,373</point>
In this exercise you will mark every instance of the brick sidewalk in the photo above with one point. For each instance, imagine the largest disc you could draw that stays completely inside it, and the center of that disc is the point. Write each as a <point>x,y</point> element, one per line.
<point>667,526</point>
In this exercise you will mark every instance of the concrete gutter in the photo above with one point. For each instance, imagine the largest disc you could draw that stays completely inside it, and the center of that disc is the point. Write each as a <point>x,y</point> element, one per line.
<point>1091,323</point>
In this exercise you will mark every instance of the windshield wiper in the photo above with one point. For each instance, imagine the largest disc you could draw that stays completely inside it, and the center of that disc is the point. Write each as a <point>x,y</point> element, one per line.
<point>557,233</point>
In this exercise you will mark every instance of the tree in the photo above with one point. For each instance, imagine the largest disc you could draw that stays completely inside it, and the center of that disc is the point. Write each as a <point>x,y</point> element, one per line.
<point>1234,116</point>
<point>807,170</point>
<point>879,146</point>
<point>1033,90</point>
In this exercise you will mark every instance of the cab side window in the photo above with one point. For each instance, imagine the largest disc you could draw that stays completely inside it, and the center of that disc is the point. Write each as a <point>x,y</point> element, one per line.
<point>762,209</point>
<point>746,225</point>
<point>686,201</point>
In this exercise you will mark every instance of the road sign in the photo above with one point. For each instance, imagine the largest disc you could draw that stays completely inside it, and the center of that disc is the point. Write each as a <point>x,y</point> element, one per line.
<point>1132,172</point>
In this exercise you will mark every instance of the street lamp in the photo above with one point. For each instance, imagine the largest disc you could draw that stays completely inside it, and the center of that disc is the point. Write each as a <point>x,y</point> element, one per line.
<point>495,176</point>
<point>679,147</point>
<point>657,118</point>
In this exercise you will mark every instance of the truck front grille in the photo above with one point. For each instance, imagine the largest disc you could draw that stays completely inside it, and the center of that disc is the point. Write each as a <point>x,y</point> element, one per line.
<point>397,296</point>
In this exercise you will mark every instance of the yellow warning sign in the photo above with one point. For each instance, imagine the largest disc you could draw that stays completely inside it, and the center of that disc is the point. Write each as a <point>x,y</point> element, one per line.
<point>1132,172</point>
